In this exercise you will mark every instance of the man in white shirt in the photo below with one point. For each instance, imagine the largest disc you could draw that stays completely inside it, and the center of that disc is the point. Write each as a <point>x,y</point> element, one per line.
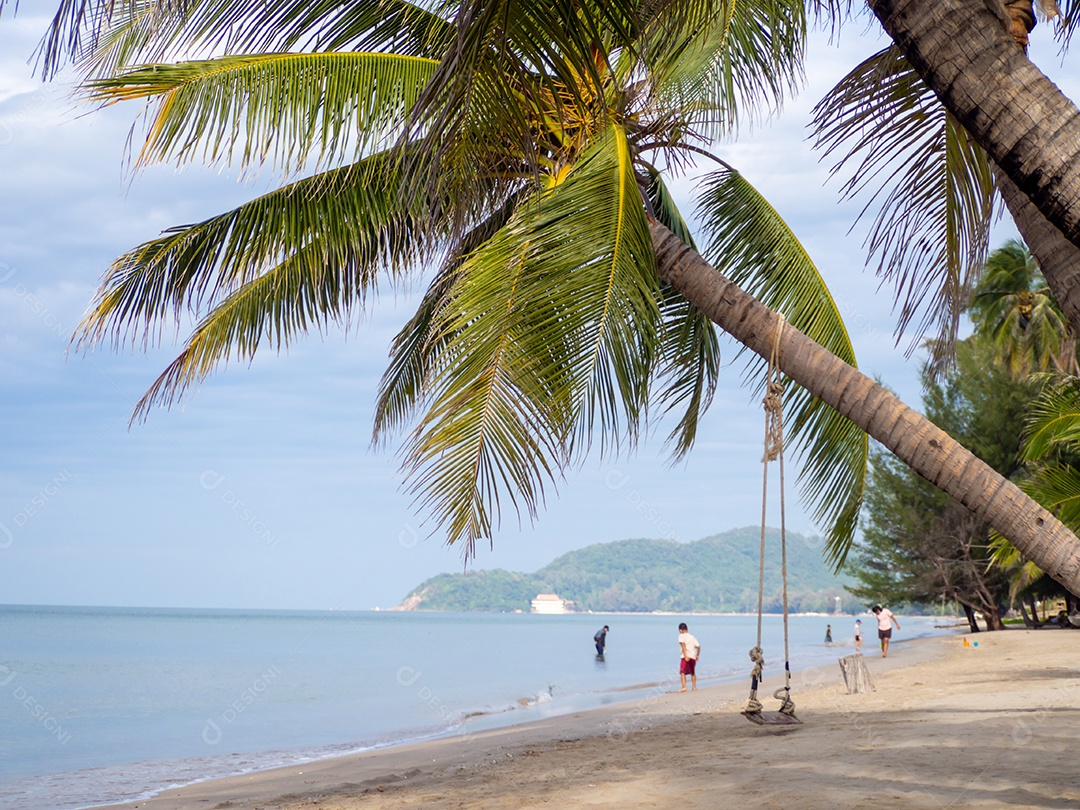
<point>690,652</point>
<point>885,622</point>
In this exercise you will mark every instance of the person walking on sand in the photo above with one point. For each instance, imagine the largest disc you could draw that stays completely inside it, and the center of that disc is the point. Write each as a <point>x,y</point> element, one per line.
<point>858,635</point>
<point>885,622</point>
<point>601,639</point>
<point>828,634</point>
<point>691,651</point>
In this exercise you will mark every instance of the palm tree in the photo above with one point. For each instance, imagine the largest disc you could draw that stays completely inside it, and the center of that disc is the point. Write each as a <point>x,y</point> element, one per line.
<point>522,149</point>
<point>526,346</point>
<point>931,233</point>
<point>1015,313</point>
<point>1051,450</point>
<point>1027,126</point>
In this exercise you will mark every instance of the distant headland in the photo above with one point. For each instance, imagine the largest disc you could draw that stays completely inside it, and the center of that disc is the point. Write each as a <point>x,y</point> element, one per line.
<point>717,574</point>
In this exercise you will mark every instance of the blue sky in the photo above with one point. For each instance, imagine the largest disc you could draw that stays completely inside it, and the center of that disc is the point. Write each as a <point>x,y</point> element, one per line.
<point>261,489</point>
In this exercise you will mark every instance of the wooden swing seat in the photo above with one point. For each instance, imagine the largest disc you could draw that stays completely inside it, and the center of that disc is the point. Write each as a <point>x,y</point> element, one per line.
<point>772,718</point>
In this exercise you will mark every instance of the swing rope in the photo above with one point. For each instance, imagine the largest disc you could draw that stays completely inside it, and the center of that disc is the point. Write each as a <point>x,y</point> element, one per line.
<point>774,451</point>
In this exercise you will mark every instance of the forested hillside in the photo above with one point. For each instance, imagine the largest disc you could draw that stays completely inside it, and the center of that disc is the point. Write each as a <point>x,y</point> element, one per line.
<point>716,574</point>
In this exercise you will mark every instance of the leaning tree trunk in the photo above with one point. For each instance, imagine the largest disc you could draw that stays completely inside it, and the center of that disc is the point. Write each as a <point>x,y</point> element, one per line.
<point>993,618</point>
<point>926,448</point>
<point>1025,123</point>
<point>973,623</point>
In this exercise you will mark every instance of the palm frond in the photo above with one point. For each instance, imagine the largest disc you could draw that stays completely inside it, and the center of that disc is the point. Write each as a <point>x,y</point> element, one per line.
<point>552,321</point>
<point>1016,313</point>
<point>302,293</point>
<point>1053,424</point>
<point>78,26</point>
<point>355,218</point>
<point>1007,557</point>
<point>751,244</point>
<point>281,107</point>
<point>418,345</point>
<point>104,36</point>
<point>738,67</point>
<point>931,185</point>
<point>523,67</point>
<point>1057,487</point>
<point>1066,21</point>
<point>135,32</point>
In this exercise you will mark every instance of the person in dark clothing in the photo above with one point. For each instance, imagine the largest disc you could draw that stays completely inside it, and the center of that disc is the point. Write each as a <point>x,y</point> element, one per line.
<point>601,639</point>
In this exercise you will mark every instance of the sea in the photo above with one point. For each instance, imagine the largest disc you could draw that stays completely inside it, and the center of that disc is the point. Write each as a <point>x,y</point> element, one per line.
<point>102,705</point>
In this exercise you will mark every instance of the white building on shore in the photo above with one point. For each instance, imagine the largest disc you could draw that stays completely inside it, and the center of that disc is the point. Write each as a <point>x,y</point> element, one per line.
<point>549,603</point>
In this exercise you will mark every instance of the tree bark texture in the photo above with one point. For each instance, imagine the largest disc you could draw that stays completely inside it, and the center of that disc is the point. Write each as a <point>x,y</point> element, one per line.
<point>1024,122</point>
<point>993,619</point>
<point>915,440</point>
<point>1058,258</point>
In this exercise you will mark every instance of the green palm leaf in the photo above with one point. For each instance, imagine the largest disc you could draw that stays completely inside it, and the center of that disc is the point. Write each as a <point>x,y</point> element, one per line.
<point>417,346</point>
<point>558,67</point>
<point>139,32</point>
<point>1057,487</point>
<point>486,434</point>
<point>746,60</point>
<point>753,246</point>
<point>931,185</point>
<point>553,321</point>
<point>305,292</point>
<point>1006,556</point>
<point>283,106</point>
<point>104,36</point>
<point>519,133</point>
<point>1053,425</point>
<point>355,219</point>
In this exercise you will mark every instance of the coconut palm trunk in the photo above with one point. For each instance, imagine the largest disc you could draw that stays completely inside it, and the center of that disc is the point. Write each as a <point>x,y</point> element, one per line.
<point>927,449</point>
<point>1024,122</point>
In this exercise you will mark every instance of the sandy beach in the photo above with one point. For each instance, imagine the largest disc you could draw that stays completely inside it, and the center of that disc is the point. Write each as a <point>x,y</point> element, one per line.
<point>949,725</point>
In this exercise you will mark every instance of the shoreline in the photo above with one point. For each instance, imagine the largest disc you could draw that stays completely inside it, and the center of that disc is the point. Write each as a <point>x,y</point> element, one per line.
<point>410,766</point>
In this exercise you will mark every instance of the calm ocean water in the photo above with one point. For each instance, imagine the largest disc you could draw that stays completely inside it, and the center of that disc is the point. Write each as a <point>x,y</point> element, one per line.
<point>100,705</point>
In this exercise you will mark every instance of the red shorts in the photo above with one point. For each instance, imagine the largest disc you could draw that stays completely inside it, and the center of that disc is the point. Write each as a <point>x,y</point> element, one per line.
<point>686,666</point>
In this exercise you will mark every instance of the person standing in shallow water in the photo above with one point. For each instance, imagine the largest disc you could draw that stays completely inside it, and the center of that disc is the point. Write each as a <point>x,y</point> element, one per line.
<point>858,635</point>
<point>885,622</point>
<point>691,651</point>
<point>601,639</point>
<point>828,634</point>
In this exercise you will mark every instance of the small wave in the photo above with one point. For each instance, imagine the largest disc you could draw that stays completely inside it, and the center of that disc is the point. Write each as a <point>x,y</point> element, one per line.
<point>543,696</point>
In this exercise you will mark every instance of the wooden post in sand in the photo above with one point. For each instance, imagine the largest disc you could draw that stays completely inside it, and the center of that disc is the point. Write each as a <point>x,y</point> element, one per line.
<point>856,675</point>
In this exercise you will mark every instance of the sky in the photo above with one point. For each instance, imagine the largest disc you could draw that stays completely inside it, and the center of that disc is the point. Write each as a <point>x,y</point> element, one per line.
<point>262,488</point>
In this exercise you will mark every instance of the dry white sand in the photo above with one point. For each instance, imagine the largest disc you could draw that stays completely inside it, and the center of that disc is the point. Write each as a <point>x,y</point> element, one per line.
<point>997,725</point>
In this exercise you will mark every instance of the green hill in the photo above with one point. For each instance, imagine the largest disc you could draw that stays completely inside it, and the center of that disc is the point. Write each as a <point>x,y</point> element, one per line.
<point>717,574</point>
